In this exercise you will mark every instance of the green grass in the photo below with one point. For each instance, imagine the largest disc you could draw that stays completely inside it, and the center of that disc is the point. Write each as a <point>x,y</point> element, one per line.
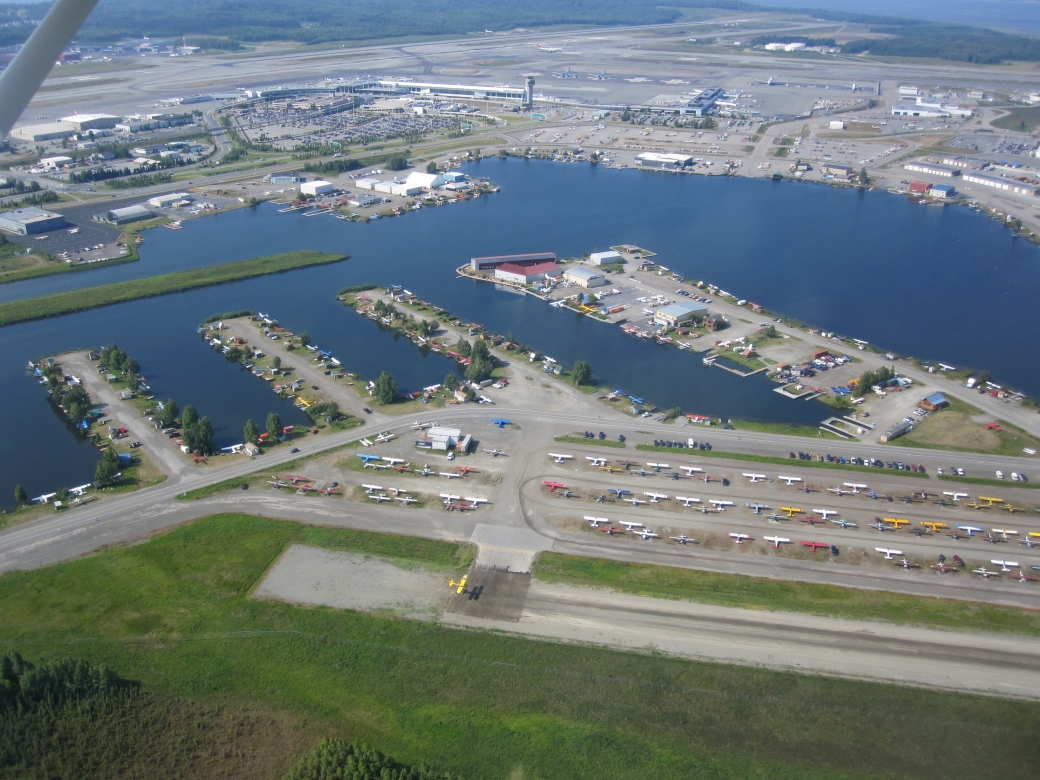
<point>1004,483</point>
<point>735,590</point>
<point>782,461</point>
<point>1022,119</point>
<point>787,429</point>
<point>106,295</point>
<point>597,442</point>
<point>174,614</point>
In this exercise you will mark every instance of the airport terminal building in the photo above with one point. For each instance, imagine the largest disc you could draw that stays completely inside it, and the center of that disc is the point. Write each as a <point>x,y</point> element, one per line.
<point>32,220</point>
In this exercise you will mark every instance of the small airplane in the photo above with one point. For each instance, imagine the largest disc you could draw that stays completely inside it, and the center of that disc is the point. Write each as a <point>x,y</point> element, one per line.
<point>368,458</point>
<point>719,504</point>
<point>776,518</point>
<point>595,521</point>
<point>790,480</point>
<point>974,505</point>
<point>476,500</point>
<point>707,478</point>
<point>705,509</point>
<point>1005,532</point>
<point>277,483</point>
<point>464,470</point>
<point>887,552</point>
<point>791,510</point>
<point>655,497</point>
<point>554,486</point>
<point>502,423</point>
<point>418,426</point>
<point>856,486</point>
<point>687,500</point>
<point>1011,508</point>
<point>682,539</point>
<point>816,546</point>
<point>809,520</point>
<point>494,452</point>
<point>955,495</point>
<point>611,530</point>
<point>450,474</point>
<point>906,564</point>
<point>691,470</point>
<point>448,497</point>
<point>384,437</point>
<point>425,471</point>
<point>896,522</point>
<point>633,501</point>
<point>970,530</point>
<point>371,488</point>
<point>741,538</point>
<point>881,525</point>
<point>933,525</point>
<point>1021,576</point>
<point>568,494</point>
<point>756,508</point>
<point>596,461</point>
<point>942,568</point>
<point>629,524</point>
<point>776,541</point>
<point>1006,565</point>
<point>839,491</point>
<point>843,523</point>
<point>399,491</point>
<point>295,480</point>
<point>406,500</point>
<point>658,466</point>
<point>756,478</point>
<point>875,496</point>
<point>611,469</point>
<point>990,500</point>
<point>825,513</point>
<point>646,533</point>
<point>982,570</point>
<point>461,584</point>
<point>393,461</point>
<point>1029,542</point>
<point>379,497</point>
<point>329,491</point>
<point>559,458</point>
<point>619,492</point>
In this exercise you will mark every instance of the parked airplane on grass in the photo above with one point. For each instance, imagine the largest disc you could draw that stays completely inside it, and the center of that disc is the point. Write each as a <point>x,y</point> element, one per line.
<point>887,552</point>
<point>842,523</point>
<point>756,508</point>
<point>595,521</point>
<point>776,541</point>
<point>816,546</point>
<point>655,497</point>
<point>630,524</point>
<point>825,513</point>
<point>682,539</point>
<point>755,478</point>
<point>790,480</point>
<point>596,461</point>
<point>687,500</point>
<point>741,538</point>
<point>646,533</point>
<point>691,470</point>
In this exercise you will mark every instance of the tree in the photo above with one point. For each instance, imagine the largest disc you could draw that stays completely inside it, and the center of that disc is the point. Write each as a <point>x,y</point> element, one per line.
<point>305,339</point>
<point>168,413</point>
<point>471,396</point>
<point>385,390</point>
<point>841,402</point>
<point>451,382</point>
<point>274,425</point>
<point>277,362</point>
<point>479,369</point>
<point>424,328</point>
<point>431,167</point>
<point>463,348</point>
<point>20,495</point>
<point>189,416</point>
<point>582,373</point>
<point>480,350</point>
<point>863,178</point>
<point>203,431</point>
<point>251,432</point>
<point>107,468</point>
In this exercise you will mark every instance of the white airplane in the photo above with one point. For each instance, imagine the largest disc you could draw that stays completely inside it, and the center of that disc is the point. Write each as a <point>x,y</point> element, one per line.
<point>856,487</point>
<point>790,480</point>
<point>560,458</point>
<point>825,513</point>
<point>629,525</point>
<point>370,488</point>
<point>839,492</point>
<point>655,497</point>
<point>379,497</point>
<point>448,497</point>
<point>596,461</point>
<point>646,533</point>
<point>1005,532</point>
<point>383,437</point>
<point>406,500</point>
<point>691,470</point>
<point>887,552</point>
<point>476,501</point>
<point>494,452</point>
<point>970,530</point>
<point>682,539</point>
<point>81,490</point>
<point>392,461</point>
<point>449,474</point>
<point>418,426</point>
<point>741,538</point>
<point>705,509</point>
<point>658,466</point>
<point>755,477</point>
<point>1006,565</point>
<point>595,521</point>
<point>985,572</point>
<point>633,501</point>
<point>399,491</point>
<point>757,508</point>
<point>777,541</point>
<point>366,442</point>
<point>955,495</point>
<point>687,500</point>
<point>719,503</point>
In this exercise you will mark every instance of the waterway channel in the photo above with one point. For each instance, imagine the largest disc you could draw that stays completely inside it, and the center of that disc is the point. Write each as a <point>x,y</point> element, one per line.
<point>937,282</point>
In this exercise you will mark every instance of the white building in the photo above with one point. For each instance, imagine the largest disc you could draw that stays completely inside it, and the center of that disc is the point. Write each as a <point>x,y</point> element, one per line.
<point>945,171</point>
<point>83,123</point>
<point>836,124</point>
<point>165,201</point>
<point>1007,185</point>
<point>585,277</point>
<point>602,258</point>
<point>317,187</point>
<point>428,181</point>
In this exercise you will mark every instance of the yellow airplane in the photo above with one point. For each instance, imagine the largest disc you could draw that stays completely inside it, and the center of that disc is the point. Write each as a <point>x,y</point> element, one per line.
<point>895,521</point>
<point>1011,508</point>
<point>974,505</point>
<point>792,510</point>
<point>460,585</point>
<point>304,402</point>
<point>990,500</point>
<point>611,469</point>
<point>1035,534</point>
<point>934,526</point>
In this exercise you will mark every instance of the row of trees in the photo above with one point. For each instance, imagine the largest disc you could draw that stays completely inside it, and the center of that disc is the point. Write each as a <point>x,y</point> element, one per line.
<point>871,378</point>
<point>274,428</point>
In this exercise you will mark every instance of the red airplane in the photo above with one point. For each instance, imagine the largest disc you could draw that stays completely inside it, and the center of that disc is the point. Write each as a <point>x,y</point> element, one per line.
<point>294,480</point>
<point>957,535</point>
<point>402,469</point>
<point>610,530</point>
<point>815,545</point>
<point>465,470</point>
<point>808,489</point>
<point>942,568</point>
<point>554,486</point>
<point>330,491</point>
<point>958,560</point>
<point>1023,577</point>
<point>810,520</point>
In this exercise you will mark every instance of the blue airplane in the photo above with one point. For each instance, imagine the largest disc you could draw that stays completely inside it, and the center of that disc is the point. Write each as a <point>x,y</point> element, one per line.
<point>368,458</point>
<point>502,423</point>
<point>618,492</point>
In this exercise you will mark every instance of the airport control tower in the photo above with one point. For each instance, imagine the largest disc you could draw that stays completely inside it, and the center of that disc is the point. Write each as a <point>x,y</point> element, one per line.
<point>529,93</point>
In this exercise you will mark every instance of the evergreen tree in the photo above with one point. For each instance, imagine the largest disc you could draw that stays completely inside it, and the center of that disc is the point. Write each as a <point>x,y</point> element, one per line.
<point>251,432</point>
<point>451,382</point>
<point>582,373</point>
<point>20,495</point>
<point>189,416</point>
<point>385,390</point>
<point>463,348</point>
<point>274,426</point>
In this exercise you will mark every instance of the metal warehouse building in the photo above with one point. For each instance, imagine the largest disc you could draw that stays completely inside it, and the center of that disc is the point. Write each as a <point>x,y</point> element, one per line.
<point>491,263</point>
<point>526,274</point>
<point>31,220</point>
<point>934,170</point>
<point>676,315</point>
<point>123,216</point>
<point>585,277</point>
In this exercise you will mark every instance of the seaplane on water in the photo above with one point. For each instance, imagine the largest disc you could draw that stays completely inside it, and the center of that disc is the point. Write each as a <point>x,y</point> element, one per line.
<point>888,553</point>
<point>560,458</point>
<point>687,500</point>
<point>741,538</point>
<point>776,541</point>
<point>755,478</point>
<point>655,497</point>
<point>757,508</point>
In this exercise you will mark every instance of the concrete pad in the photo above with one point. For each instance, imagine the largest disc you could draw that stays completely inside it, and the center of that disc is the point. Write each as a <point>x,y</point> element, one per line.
<point>512,549</point>
<point>311,575</point>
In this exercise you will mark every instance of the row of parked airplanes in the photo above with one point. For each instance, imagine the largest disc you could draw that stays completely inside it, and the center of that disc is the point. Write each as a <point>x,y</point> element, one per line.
<point>642,531</point>
<point>399,464</point>
<point>451,502</point>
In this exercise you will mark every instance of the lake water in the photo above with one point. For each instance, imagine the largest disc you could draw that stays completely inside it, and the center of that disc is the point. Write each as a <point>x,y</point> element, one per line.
<point>942,283</point>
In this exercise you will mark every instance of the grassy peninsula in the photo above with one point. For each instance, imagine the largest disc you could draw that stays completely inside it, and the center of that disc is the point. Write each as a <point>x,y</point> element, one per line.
<point>121,292</point>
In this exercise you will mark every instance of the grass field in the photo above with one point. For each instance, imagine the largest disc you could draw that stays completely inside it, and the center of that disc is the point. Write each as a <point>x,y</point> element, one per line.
<point>174,614</point>
<point>997,483</point>
<point>598,442</point>
<point>732,590</point>
<point>780,461</point>
<point>953,429</point>
<point>1021,118</point>
<point>809,431</point>
<point>106,295</point>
